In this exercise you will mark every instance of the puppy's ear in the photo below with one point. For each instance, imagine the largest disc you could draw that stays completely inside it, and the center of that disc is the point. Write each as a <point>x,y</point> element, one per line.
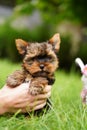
<point>55,42</point>
<point>21,46</point>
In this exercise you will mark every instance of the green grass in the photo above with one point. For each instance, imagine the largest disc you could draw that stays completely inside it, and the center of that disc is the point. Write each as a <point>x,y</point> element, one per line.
<point>67,112</point>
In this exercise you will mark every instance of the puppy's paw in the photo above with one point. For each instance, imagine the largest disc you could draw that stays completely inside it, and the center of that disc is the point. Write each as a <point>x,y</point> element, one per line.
<point>35,90</point>
<point>37,85</point>
<point>15,79</point>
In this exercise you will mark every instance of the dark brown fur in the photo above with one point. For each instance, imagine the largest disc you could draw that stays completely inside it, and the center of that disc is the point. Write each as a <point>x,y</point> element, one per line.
<point>39,64</point>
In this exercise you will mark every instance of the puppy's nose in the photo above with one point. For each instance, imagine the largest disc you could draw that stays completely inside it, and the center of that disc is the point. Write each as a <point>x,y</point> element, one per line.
<point>41,66</point>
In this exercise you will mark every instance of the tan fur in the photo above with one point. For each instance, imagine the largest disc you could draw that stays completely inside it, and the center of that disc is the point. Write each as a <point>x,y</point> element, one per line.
<point>39,64</point>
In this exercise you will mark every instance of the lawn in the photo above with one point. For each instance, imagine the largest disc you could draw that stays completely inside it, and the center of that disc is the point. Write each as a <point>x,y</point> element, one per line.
<point>67,112</point>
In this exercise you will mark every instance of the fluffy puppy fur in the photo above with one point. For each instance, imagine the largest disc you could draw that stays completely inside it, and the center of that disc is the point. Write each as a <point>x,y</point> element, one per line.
<point>39,64</point>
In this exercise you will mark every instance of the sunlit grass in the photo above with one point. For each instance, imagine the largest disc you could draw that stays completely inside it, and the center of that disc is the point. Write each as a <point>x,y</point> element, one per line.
<point>67,112</point>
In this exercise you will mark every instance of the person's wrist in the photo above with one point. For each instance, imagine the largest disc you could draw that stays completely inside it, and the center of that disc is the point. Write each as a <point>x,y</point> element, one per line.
<point>3,107</point>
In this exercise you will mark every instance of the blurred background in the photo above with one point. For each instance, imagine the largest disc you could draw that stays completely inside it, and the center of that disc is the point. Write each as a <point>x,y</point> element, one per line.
<point>38,20</point>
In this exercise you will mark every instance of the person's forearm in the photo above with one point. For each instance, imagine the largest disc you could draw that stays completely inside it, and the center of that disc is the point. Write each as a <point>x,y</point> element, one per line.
<point>3,108</point>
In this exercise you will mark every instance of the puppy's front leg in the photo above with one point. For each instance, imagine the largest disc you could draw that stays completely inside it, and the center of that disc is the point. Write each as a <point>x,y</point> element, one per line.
<point>37,85</point>
<point>15,78</point>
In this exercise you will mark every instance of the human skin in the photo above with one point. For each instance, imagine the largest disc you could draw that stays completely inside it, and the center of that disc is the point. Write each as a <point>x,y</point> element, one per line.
<point>19,98</point>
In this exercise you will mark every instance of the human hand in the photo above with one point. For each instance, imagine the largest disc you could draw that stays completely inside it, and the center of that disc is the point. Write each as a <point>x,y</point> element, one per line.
<point>18,98</point>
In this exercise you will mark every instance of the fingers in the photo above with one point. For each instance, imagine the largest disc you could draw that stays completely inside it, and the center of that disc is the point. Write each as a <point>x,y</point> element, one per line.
<point>47,89</point>
<point>35,106</point>
<point>43,96</point>
<point>40,106</point>
<point>29,105</point>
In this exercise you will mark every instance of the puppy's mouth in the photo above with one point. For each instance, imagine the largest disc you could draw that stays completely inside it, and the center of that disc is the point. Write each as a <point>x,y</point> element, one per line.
<point>41,74</point>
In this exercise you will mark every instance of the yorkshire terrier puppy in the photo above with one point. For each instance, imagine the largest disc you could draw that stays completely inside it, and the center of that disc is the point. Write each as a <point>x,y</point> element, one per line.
<point>39,64</point>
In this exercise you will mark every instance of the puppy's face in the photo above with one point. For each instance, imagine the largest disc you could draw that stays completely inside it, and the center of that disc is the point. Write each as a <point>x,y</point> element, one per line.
<point>40,58</point>
<point>40,65</point>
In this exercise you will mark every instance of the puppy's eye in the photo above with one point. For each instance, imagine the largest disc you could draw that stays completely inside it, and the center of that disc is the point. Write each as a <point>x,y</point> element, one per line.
<point>30,62</point>
<point>49,58</point>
